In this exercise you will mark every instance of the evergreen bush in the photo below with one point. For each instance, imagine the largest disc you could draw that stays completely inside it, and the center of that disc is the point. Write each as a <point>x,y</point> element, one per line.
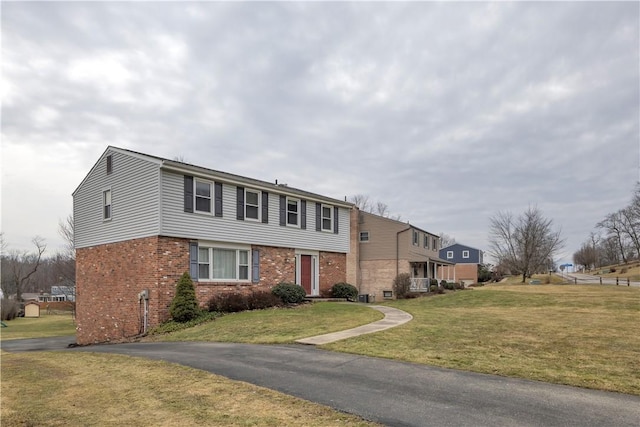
<point>344,290</point>
<point>289,293</point>
<point>184,306</point>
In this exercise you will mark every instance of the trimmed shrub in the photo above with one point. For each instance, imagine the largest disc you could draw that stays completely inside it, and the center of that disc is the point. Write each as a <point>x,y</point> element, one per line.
<point>433,288</point>
<point>402,285</point>
<point>228,303</point>
<point>258,300</point>
<point>433,282</point>
<point>235,302</point>
<point>344,290</point>
<point>184,306</point>
<point>446,285</point>
<point>289,293</point>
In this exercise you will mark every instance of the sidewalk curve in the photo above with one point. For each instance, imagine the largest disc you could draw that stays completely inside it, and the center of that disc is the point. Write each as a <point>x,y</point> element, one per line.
<point>392,318</point>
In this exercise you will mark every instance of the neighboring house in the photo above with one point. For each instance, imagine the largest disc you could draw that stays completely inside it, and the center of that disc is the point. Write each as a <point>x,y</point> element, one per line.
<point>63,293</point>
<point>384,248</point>
<point>141,221</point>
<point>466,261</point>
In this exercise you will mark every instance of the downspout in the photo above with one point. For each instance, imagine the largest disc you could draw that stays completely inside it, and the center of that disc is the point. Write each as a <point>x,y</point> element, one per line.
<point>398,249</point>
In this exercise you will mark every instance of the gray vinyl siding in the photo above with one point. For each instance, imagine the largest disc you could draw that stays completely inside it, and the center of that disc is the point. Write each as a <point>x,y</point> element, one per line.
<point>177,223</point>
<point>134,185</point>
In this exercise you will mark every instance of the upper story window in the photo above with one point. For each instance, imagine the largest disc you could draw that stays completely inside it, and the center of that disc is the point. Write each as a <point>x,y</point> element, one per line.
<point>252,204</point>
<point>327,218</point>
<point>426,241</point>
<point>449,254</point>
<point>202,195</point>
<point>416,238</point>
<point>465,254</point>
<point>364,236</point>
<point>436,244</point>
<point>106,203</point>
<point>223,264</point>
<point>109,164</point>
<point>293,212</point>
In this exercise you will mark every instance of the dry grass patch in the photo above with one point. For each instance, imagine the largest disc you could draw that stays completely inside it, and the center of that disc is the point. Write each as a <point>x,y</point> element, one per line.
<point>84,389</point>
<point>51,325</point>
<point>578,335</point>
<point>278,325</point>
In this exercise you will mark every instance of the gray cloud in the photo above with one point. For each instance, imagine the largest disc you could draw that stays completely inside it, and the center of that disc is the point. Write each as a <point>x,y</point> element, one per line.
<point>447,112</point>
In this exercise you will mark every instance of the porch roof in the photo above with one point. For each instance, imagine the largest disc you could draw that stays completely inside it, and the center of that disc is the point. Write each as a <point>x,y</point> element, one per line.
<point>441,261</point>
<point>424,258</point>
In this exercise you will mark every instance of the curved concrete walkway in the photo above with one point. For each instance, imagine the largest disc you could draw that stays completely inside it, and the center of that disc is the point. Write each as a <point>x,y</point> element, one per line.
<point>392,318</point>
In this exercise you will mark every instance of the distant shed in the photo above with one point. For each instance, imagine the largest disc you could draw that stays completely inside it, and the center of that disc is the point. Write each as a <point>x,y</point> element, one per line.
<point>31,309</point>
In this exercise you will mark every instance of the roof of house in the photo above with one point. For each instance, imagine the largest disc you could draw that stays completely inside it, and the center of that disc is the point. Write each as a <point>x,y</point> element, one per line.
<point>182,167</point>
<point>461,244</point>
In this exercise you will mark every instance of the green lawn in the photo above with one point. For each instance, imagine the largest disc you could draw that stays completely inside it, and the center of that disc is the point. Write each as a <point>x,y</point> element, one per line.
<point>51,325</point>
<point>578,335</point>
<point>278,325</point>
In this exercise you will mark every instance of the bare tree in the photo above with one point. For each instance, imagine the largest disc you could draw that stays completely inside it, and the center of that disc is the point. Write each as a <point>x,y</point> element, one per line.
<point>362,202</point>
<point>66,230</point>
<point>382,209</point>
<point>525,245</point>
<point>64,263</point>
<point>586,256</point>
<point>18,268</point>
<point>612,224</point>
<point>446,240</point>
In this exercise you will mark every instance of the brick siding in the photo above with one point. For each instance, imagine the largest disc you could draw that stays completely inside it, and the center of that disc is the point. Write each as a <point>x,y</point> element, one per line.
<point>109,278</point>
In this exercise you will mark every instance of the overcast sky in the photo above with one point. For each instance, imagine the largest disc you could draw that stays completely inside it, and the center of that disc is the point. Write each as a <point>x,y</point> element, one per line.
<point>446,112</point>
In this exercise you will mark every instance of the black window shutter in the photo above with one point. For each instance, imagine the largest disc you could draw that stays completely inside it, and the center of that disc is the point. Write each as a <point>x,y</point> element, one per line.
<point>240,207</point>
<point>265,207</point>
<point>109,164</point>
<point>303,214</point>
<point>193,260</point>
<point>318,217</point>
<point>335,219</point>
<point>218,198</point>
<point>255,266</point>
<point>188,193</point>
<point>283,210</point>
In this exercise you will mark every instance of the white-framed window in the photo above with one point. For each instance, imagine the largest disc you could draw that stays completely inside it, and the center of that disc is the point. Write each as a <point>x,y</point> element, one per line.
<point>436,243</point>
<point>106,204</point>
<point>449,254</point>
<point>465,254</point>
<point>364,236</point>
<point>426,241</point>
<point>223,264</point>
<point>327,218</point>
<point>202,194</point>
<point>252,204</point>
<point>416,238</point>
<point>293,212</point>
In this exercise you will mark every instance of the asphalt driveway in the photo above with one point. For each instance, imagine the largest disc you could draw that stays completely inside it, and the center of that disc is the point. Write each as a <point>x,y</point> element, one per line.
<point>386,391</point>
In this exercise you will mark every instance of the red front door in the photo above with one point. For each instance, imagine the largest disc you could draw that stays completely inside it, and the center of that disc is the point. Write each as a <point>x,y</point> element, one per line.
<point>305,273</point>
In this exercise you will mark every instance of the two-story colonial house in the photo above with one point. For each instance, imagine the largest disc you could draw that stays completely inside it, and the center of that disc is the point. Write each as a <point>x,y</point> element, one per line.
<point>466,260</point>
<point>141,221</point>
<point>383,247</point>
